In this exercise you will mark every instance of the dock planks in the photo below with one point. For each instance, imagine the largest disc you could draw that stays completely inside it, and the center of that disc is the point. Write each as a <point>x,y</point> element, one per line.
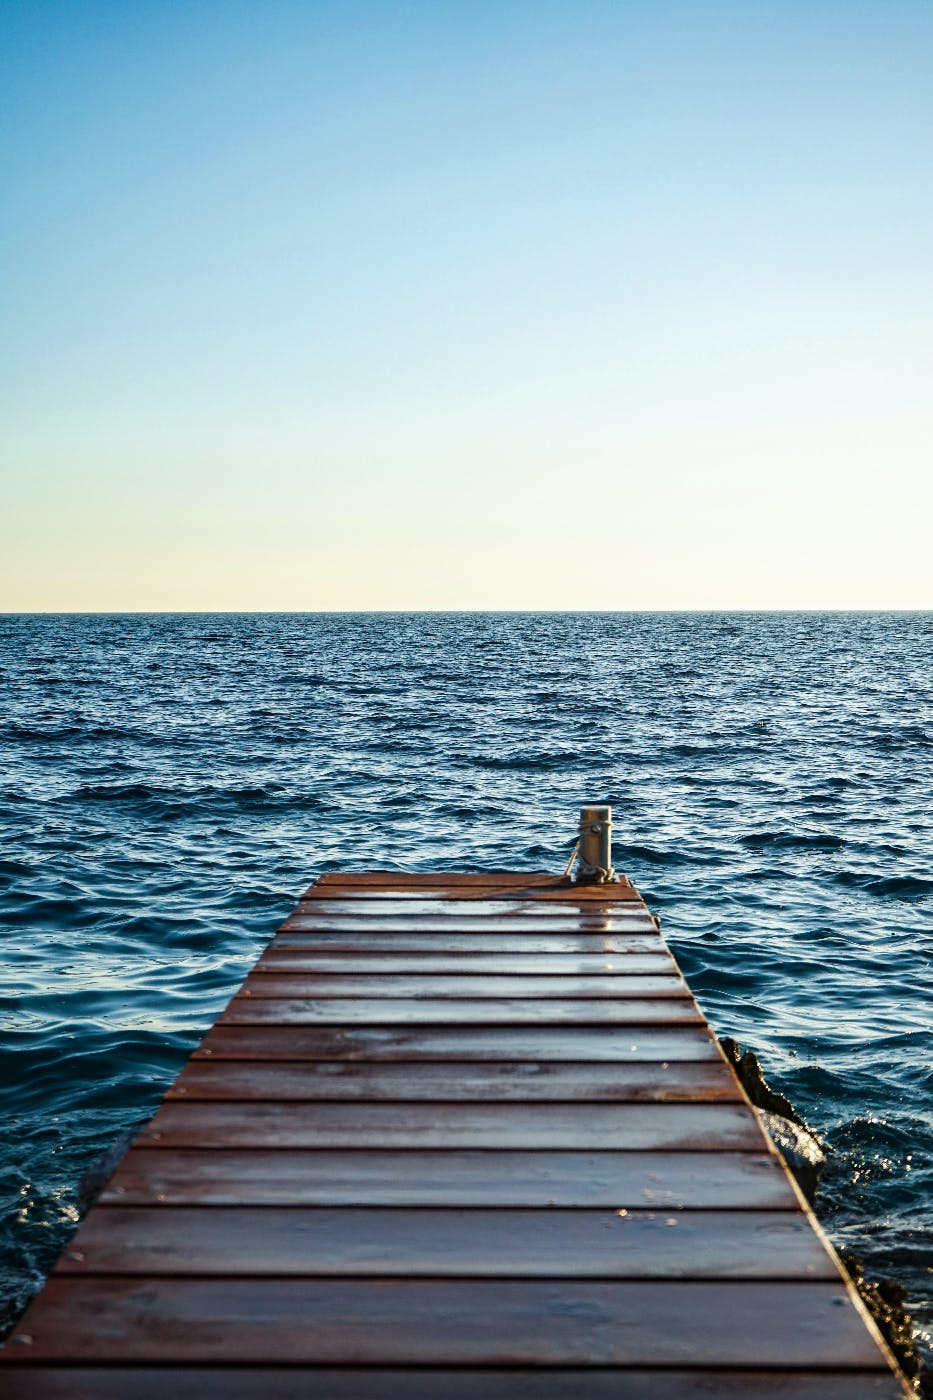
<point>461,1135</point>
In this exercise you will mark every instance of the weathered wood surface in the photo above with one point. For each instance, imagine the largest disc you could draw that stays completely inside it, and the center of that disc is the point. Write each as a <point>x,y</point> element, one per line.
<point>673,1127</point>
<point>433,919</point>
<point>462,1136</point>
<point>463,1322</point>
<point>531,1041</point>
<point>353,939</point>
<point>454,1177</point>
<point>429,1383</point>
<point>427,1011</point>
<point>475,962</point>
<point>476,1243</point>
<point>460,1042</point>
<point>455,1081</point>
<point>466,986</point>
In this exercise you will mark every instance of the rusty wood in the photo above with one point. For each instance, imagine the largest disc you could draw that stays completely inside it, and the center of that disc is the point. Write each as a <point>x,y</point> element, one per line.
<point>462,987</point>
<point>472,1322</point>
<point>513,1081</point>
<point>707,1127</point>
<point>385,1011</point>
<point>392,1177</point>
<point>641,1043</point>
<point>293,1242</point>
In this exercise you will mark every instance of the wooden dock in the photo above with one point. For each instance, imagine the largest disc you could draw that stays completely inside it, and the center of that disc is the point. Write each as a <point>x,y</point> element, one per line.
<point>455,1136</point>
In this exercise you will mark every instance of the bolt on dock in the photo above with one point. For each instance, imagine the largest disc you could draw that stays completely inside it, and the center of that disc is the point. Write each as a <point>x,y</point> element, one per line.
<point>461,1136</point>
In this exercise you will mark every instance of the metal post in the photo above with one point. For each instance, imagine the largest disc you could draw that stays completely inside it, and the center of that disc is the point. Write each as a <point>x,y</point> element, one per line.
<point>595,863</point>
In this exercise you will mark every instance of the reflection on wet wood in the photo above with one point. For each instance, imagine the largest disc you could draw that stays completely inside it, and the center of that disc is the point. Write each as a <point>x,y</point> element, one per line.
<point>407,938</point>
<point>309,1242</point>
<point>625,1127</point>
<point>416,1011</point>
<point>463,986</point>
<point>506,1044</point>
<point>467,1322</point>
<point>466,1177</point>
<point>629,962</point>
<point>266,1081</point>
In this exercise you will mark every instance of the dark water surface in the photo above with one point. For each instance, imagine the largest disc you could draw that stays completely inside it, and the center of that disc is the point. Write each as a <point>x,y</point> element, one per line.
<point>170,783</point>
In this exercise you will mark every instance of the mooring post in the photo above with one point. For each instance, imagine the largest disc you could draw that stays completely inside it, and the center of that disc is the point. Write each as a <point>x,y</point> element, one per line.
<point>595,861</point>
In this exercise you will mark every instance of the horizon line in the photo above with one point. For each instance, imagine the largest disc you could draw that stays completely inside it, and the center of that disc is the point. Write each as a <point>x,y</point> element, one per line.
<point>458,612</point>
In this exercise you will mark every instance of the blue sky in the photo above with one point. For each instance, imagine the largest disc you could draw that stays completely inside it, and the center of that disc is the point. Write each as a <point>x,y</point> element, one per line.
<point>466,305</point>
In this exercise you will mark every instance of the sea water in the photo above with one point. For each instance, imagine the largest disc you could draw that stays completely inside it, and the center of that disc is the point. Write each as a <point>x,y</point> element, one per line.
<point>170,783</point>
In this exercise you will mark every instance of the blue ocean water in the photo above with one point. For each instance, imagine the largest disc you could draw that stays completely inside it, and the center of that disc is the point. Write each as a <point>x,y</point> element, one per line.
<point>169,783</point>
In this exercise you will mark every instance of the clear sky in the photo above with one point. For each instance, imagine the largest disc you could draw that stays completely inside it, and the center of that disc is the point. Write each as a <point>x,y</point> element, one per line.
<point>508,304</point>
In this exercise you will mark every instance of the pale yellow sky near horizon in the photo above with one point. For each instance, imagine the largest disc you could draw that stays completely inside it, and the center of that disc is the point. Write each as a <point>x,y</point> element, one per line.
<point>587,496</point>
<point>678,522</point>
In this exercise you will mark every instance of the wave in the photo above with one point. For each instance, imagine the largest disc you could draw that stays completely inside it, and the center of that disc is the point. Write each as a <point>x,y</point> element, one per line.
<point>903,736</point>
<point>653,856</point>
<point>13,869</point>
<point>59,734</point>
<point>114,792</point>
<point>791,840</point>
<point>898,886</point>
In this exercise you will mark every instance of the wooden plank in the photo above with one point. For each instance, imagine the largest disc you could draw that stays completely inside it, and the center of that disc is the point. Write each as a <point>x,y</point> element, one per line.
<point>438,922</point>
<point>405,879</point>
<point>411,904</point>
<point>559,892</point>
<point>642,1044</point>
<point>290,1242</point>
<point>407,940</point>
<point>632,1127</point>
<point>392,1177</point>
<point>472,1322</point>
<point>387,1011</point>
<point>290,959</point>
<point>357,1383</point>
<point>515,1081</point>
<point>488,900</point>
<point>462,987</point>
